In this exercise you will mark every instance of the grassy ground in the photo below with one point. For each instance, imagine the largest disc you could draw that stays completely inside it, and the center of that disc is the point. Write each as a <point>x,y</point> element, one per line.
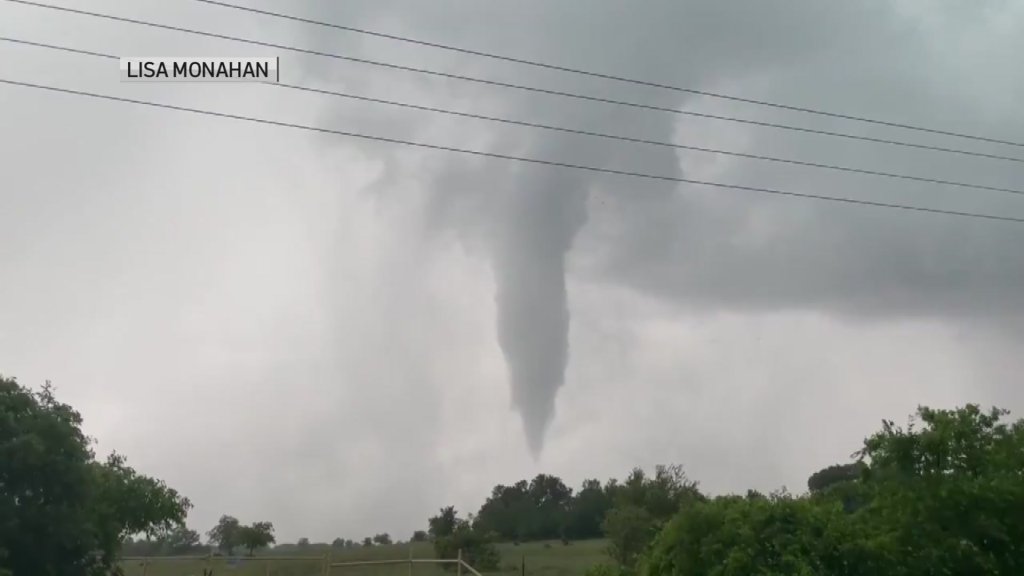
<point>540,558</point>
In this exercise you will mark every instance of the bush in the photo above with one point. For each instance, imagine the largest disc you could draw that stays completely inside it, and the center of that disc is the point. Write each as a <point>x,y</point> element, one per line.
<point>629,530</point>
<point>477,550</point>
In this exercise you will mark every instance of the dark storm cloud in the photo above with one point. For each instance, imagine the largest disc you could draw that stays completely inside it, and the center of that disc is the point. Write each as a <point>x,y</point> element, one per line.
<point>315,315</point>
<point>713,249</point>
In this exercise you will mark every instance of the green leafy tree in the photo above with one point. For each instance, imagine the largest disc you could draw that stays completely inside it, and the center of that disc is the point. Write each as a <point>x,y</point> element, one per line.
<point>382,539</point>
<point>368,542</point>
<point>835,474</point>
<point>419,536</point>
<point>947,490</point>
<point>338,543</point>
<point>63,512</point>
<point>226,534</point>
<point>477,549</point>
<point>661,495</point>
<point>509,512</point>
<point>303,542</point>
<point>779,534</point>
<point>180,540</point>
<point>444,523</point>
<point>587,511</point>
<point>629,529</point>
<point>256,536</point>
<point>943,495</point>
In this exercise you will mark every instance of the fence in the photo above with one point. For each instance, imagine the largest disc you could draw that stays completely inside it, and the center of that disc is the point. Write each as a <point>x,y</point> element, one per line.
<point>459,563</point>
<point>157,565</point>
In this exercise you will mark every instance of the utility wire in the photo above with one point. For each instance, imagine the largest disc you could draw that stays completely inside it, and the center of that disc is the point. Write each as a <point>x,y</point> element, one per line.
<point>515,86</point>
<point>592,74</point>
<point>568,130</point>
<point>539,161</point>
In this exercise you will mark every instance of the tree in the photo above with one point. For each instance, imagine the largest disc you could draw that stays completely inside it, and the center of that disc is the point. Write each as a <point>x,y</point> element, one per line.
<point>947,490</point>
<point>180,540</point>
<point>661,495</point>
<point>835,474</point>
<point>778,534</point>
<point>257,535</point>
<point>508,512</point>
<point>62,511</point>
<point>534,510</point>
<point>444,523</point>
<point>382,539</point>
<point>550,498</point>
<point>587,511</point>
<point>338,543</point>
<point>941,496</point>
<point>418,536</point>
<point>629,529</point>
<point>477,549</point>
<point>367,542</point>
<point>226,534</point>
<point>303,542</point>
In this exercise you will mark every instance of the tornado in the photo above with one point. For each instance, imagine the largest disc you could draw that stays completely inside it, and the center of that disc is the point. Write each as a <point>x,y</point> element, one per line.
<point>541,216</point>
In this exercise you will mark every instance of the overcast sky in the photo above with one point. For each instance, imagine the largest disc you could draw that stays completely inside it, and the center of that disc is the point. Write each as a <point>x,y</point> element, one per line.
<point>341,336</point>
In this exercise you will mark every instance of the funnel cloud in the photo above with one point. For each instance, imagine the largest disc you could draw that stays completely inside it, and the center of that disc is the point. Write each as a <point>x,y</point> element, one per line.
<point>696,251</point>
<point>529,261</point>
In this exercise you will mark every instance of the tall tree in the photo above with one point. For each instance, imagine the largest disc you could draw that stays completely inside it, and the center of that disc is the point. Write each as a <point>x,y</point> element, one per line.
<point>225,535</point>
<point>444,523</point>
<point>256,536</point>
<point>508,512</point>
<point>629,529</point>
<point>475,546</point>
<point>587,511</point>
<point>180,540</point>
<point>550,497</point>
<point>835,474</point>
<point>62,511</point>
<point>942,495</point>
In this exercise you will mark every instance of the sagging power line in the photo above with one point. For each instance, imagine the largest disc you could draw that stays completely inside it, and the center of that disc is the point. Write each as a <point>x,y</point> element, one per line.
<point>604,76</point>
<point>588,133</point>
<point>538,161</point>
<point>571,95</point>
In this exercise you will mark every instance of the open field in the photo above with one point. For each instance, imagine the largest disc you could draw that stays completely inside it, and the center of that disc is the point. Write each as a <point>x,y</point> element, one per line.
<point>541,559</point>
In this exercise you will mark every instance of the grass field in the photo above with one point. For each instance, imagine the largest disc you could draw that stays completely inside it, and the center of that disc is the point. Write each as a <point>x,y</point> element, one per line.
<point>540,558</point>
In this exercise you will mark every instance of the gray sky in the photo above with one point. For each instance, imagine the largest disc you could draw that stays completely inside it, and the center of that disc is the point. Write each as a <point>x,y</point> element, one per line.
<point>341,336</point>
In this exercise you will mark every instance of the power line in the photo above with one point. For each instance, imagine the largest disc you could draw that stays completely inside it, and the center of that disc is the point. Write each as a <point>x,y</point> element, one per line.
<point>593,74</point>
<point>517,86</point>
<point>570,130</point>
<point>674,179</point>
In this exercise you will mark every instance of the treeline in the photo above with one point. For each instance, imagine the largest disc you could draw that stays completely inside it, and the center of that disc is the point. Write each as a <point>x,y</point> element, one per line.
<point>627,513</point>
<point>229,536</point>
<point>545,508</point>
<point>944,495</point>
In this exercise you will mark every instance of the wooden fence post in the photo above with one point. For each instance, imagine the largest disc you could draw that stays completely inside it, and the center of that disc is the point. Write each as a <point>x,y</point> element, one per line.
<point>145,564</point>
<point>460,563</point>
